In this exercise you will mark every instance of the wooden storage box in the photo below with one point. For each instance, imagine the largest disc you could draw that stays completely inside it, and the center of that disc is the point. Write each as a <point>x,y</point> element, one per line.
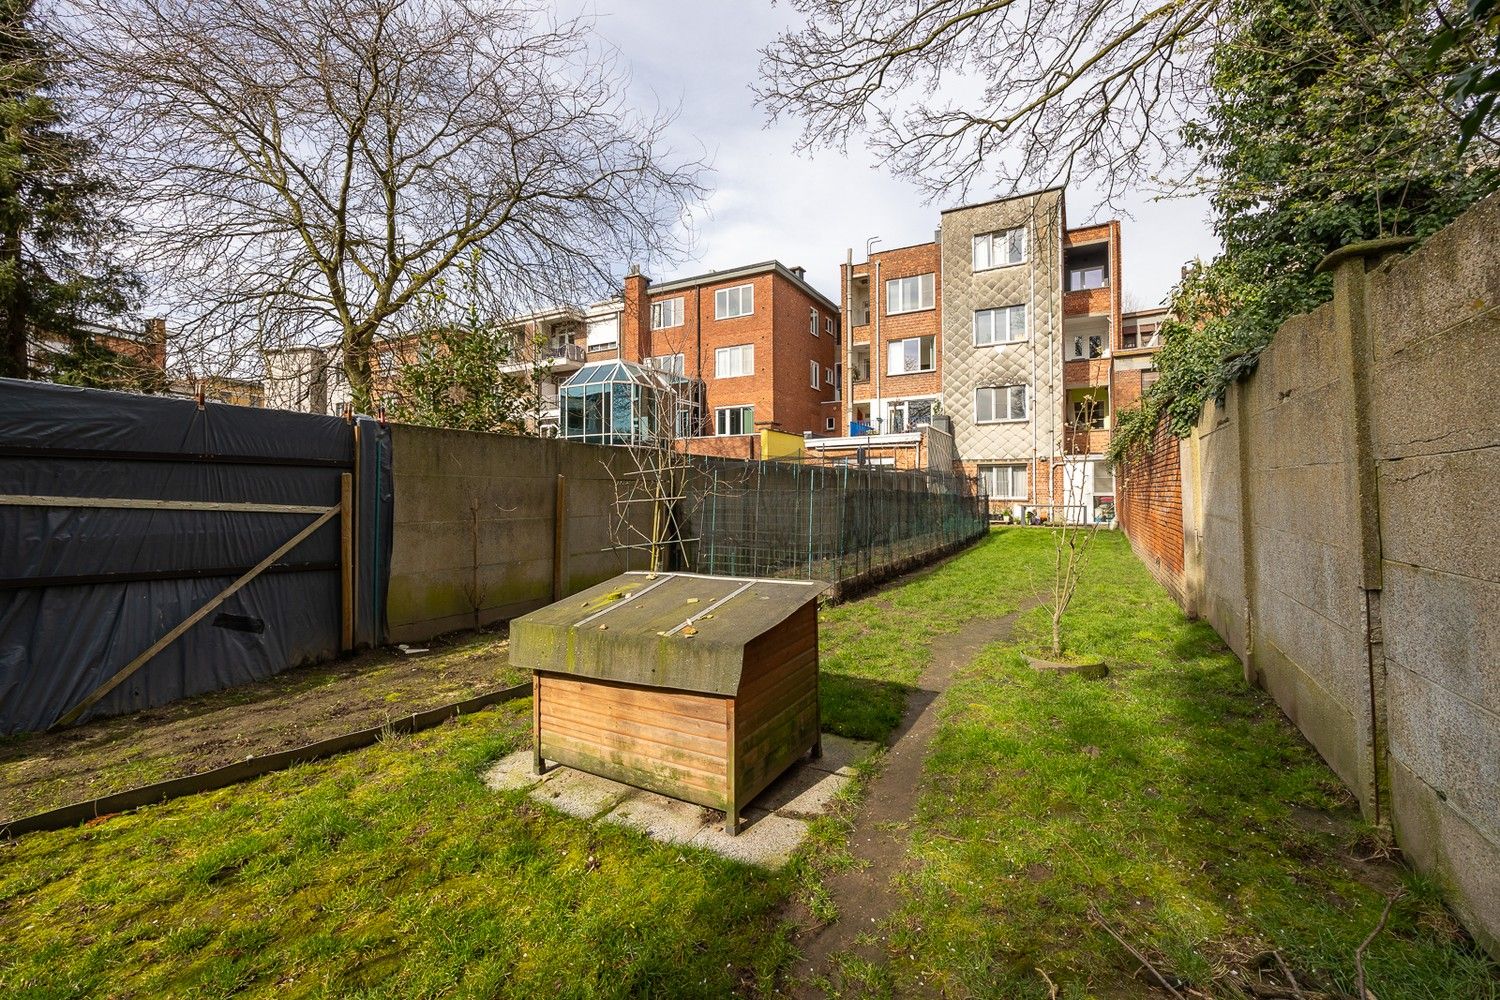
<point>701,688</point>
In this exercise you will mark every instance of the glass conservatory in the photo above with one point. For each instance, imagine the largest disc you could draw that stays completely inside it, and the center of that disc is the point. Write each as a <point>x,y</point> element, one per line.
<point>617,402</point>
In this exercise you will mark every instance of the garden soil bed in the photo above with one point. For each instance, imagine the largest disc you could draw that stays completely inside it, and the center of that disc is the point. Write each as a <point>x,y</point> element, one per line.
<point>45,770</point>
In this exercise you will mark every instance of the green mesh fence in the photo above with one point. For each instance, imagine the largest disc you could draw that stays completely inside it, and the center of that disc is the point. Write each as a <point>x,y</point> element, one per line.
<point>827,523</point>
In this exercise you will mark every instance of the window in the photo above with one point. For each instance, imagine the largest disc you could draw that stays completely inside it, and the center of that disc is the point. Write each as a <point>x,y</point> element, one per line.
<point>1083,278</point>
<point>1090,411</point>
<point>907,414</point>
<point>731,362</point>
<point>603,334</point>
<point>1008,246</point>
<point>1085,346</point>
<point>1006,325</point>
<point>904,295</point>
<point>1004,482</point>
<point>829,423</point>
<point>827,324</point>
<point>813,371</point>
<point>995,404</point>
<point>732,302</point>
<point>828,376</point>
<point>672,363</point>
<point>914,354</point>
<point>734,420</point>
<point>812,322</point>
<point>666,314</point>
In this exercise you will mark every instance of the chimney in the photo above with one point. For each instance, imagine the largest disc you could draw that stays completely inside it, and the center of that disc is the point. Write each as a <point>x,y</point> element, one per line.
<point>635,320</point>
<point>156,340</point>
<point>800,272</point>
<point>937,235</point>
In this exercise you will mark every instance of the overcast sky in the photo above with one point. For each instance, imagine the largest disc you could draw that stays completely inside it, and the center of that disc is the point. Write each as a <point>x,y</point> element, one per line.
<point>769,202</point>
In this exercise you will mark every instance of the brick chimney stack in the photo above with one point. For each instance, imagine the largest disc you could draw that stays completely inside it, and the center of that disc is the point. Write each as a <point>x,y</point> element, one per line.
<point>156,342</point>
<point>635,322</point>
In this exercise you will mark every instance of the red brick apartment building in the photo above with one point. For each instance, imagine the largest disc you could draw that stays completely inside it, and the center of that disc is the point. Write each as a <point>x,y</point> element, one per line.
<point>762,340</point>
<point>1010,324</point>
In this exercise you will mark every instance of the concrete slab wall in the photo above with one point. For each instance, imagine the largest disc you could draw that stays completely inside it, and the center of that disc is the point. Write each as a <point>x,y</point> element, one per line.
<point>474,526</point>
<point>1342,533</point>
<point>475,523</point>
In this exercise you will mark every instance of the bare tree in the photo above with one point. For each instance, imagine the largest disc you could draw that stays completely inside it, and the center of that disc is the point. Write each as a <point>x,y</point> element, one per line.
<point>954,93</point>
<point>302,171</point>
<point>1073,534</point>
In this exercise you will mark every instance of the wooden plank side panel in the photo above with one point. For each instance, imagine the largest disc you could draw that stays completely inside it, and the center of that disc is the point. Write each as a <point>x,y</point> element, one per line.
<point>665,741</point>
<point>684,703</point>
<point>778,703</point>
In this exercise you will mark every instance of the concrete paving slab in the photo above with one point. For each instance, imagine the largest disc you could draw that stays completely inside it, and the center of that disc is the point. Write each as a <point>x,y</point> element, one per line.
<point>765,839</point>
<point>841,754</point>
<point>513,771</point>
<point>580,794</point>
<point>771,828</point>
<point>661,818</point>
<point>802,791</point>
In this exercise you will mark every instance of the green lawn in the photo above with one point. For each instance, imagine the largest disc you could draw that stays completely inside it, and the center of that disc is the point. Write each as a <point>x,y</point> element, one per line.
<point>1170,797</point>
<point>1164,796</point>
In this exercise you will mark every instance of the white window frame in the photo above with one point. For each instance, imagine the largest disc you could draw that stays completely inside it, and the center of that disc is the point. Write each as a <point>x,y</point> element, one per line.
<point>590,343</point>
<point>890,355</point>
<point>1013,471</point>
<point>814,371</point>
<point>1007,389</point>
<point>827,324</point>
<point>828,375</point>
<point>676,363</point>
<point>734,362</point>
<point>1083,339</point>
<point>812,322</point>
<point>904,405</point>
<point>896,291</point>
<point>672,309</point>
<point>830,424</point>
<point>743,302</point>
<point>984,253</point>
<point>1003,316</point>
<point>721,420</point>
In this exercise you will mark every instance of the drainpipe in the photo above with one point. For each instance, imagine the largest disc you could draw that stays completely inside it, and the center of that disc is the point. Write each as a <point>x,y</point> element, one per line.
<point>875,344</point>
<point>846,381</point>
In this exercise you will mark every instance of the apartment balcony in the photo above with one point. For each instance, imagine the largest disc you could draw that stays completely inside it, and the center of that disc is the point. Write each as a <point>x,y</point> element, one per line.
<point>555,358</point>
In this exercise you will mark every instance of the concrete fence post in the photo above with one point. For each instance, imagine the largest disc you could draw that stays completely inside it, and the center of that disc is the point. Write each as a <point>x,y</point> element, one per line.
<point>1355,352</point>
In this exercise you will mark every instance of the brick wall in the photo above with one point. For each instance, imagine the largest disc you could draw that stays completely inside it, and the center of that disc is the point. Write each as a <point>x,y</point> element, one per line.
<point>904,262</point>
<point>1149,505</point>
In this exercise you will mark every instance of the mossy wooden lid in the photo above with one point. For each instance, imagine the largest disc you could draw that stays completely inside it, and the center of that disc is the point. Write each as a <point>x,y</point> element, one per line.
<point>667,630</point>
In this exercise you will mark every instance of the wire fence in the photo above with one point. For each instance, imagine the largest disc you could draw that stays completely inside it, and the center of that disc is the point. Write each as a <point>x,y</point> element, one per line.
<point>838,524</point>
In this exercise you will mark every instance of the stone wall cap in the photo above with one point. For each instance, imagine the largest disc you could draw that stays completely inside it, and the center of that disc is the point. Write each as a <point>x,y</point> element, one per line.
<point>1365,248</point>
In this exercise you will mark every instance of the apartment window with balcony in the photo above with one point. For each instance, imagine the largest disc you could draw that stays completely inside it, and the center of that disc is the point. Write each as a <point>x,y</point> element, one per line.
<point>1004,482</point>
<point>730,303</point>
<point>1000,249</point>
<point>732,362</point>
<point>860,370</point>
<point>904,295</point>
<point>997,404</point>
<point>908,414</point>
<point>813,374</point>
<point>670,363</point>
<point>666,314</point>
<point>1006,325</point>
<point>730,420</point>
<point>911,355</point>
<point>1087,267</point>
<point>603,334</point>
<point>1085,346</point>
<point>1089,408</point>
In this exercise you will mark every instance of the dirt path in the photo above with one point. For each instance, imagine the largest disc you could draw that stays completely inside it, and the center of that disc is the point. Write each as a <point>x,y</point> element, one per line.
<point>44,770</point>
<point>865,895</point>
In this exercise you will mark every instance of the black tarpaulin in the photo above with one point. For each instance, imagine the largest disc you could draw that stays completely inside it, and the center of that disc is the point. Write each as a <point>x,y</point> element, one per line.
<point>83,590</point>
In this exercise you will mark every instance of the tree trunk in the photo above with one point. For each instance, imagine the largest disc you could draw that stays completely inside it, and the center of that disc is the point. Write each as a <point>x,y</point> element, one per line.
<point>358,344</point>
<point>1057,611</point>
